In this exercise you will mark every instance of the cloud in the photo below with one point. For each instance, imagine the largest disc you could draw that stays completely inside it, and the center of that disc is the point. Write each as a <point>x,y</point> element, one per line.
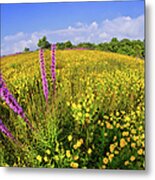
<point>121,27</point>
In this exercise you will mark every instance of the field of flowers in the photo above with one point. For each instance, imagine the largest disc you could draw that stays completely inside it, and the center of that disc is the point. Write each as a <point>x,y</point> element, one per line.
<point>94,118</point>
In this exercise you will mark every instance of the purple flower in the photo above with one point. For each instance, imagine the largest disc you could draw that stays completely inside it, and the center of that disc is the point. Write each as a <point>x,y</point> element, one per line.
<point>53,66</point>
<point>6,95</point>
<point>43,74</point>
<point>4,130</point>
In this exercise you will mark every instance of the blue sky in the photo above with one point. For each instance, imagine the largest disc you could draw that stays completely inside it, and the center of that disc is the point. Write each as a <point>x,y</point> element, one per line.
<point>77,21</point>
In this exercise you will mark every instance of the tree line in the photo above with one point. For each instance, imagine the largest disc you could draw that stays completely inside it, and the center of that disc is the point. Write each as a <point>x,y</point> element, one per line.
<point>129,47</point>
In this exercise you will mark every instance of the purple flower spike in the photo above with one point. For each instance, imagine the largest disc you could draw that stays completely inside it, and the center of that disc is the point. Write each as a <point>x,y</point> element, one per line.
<point>4,130</point>
<point>43,74</point>
<point>6,95</point>
<point>53,65</point>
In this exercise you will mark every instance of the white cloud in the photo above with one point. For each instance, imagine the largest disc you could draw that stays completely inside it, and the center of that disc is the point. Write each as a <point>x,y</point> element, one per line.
<point>121,27</point>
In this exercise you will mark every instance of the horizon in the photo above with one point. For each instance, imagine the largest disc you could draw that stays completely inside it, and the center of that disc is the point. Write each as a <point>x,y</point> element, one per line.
<point>69,21</point>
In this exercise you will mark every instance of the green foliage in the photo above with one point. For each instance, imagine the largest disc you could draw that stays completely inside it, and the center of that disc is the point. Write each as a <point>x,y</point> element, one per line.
<point>43,43</point>
<point>125,46</point>
<point>26,49</point>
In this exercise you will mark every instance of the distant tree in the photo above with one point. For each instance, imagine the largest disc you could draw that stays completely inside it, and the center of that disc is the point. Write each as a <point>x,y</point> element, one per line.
<point>26,49</point>
<point>60,45</point>
<point>43,43</point>
<point>68,44</point>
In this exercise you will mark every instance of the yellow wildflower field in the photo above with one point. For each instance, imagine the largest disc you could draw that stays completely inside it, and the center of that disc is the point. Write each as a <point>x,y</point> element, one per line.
<point>96,119</point>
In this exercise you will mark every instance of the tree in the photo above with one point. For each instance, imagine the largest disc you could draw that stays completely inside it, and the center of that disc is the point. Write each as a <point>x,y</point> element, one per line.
<point>43,43</point>
<point>26,49</point>
<point>68,44</point>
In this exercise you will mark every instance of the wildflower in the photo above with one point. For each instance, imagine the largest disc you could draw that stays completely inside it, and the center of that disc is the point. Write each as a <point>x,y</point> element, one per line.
<point>48,152</point>
<point>116,152</point>
<point>73,105</point>
<point>56,157</point>
<point>6,95</point>
<point>70,137</point>
<point>111,157</point>
<point>76,157</point>
<point>132,158</point>
<point>105,160</point>
<point>78,143</point>
<point>68,154</point>
<point>122,143</point>
<point>125,133</point>
<point>79,114</point>
<point>39,158</point>
<point>133,145</point>
<point>81,140</point>
<point>103,166</point>
<point>126,163</point>
<point>140,151</point>
<point>89,151</point>
<point>133,131</point>
<point>108,125</point>
<point>45,158</point>
<point>53,67</point>
<point>4,130</point>
<point>74,165</point>
<point>87,115</point>
<point>112,147</point>
<point>43,74</point>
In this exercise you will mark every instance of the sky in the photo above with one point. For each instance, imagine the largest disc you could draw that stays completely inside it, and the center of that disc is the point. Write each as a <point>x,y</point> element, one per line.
<point>22,25</point>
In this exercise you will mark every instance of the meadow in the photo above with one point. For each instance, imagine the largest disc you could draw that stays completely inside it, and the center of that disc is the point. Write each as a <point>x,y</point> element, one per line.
<point>95,118</point>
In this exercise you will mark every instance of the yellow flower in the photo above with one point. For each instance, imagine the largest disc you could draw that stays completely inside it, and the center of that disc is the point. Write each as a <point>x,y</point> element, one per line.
<point>116,152</point>
<point>76,157</point>
<point>108,125</point>
<point>105,134</point>
<point>133,131</point>
<point>87,110</point>
<point>112,147</point>
<point>39,158</point>
<point>68,103</point>
<point>117,125</point>
<point>74,106</point>
<point>125,133</point>
<point>127,118</point>
<point>78,143</point>
<point>105,160</point>
<point>79,114</point>
<point>45,158</point>
<point>75,146</point>
<point>70,137</point>
<point>111,157</point>
<point>99,122</point>
<point>87,115</point>
<point>68,154</point>
<point>115,137</point>
<point>133,145</point>
<point>106,117</point>
<point>122,143</point>
<point>79,106</point>
<point>89,151</point>
<point>102,124</point>
<point>103,166</point>
<point>140,151</point>
<point>132,158</point>
<point>56,158</point>
<point>126,163</point>
<point>81,140</point>
<point>117,113</point>
<point>48,152</point>
<point>74,165</point>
